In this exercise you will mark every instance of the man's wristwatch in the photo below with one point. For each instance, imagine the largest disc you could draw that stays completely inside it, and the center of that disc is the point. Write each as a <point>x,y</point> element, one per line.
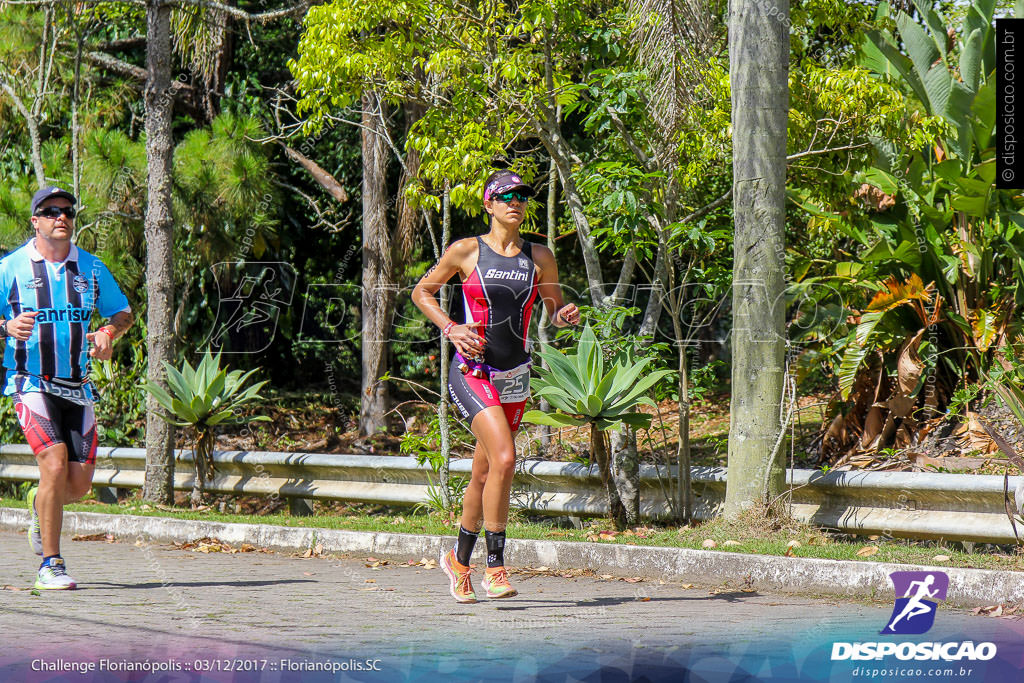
<point>3,327</point>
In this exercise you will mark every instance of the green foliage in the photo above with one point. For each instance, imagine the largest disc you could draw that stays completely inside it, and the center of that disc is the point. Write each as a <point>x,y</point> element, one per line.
<point>202,398</point>
<point>704,379</point>
<point>481,86</point>
<point>207,395</point>
<point>584,393</point>
<point>426,447</point>
<point>445,502</point>
<point>121,410</point>
<point>929,252</point>
<point>1006,381</point>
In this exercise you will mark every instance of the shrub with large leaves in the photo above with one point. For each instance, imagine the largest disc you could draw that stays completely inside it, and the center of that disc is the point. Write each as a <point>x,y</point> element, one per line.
<point>928,260</point>
<point>584,393</point>
<point>202,398</point>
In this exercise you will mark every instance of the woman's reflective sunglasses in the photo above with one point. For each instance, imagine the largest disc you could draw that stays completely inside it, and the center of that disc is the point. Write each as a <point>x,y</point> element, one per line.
<point>54,211</point>
<point>507,197</point>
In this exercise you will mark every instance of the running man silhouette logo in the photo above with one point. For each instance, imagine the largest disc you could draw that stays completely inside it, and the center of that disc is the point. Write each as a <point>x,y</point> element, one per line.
<point>918,595</point>
<point>252,296</point>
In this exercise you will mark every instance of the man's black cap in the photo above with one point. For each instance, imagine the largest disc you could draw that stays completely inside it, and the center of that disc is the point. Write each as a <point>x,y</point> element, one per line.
<point>506,182</point>
<point>49,193</point>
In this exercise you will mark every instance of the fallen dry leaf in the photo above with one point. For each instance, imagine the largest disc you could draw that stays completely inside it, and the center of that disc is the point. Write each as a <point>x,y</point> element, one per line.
<point>794,544</point>
<point>370,581</point>
<point>633,579</point>
<point>941,558</point>
<point>109,538</point>
<point>687,585</point>
<point>644,599</point>
<point>606,576</point>
<point>867,551</point>
<point>990,611</point>
<point>730,544</point>
<point>709,543</point>
<point>307,573</point>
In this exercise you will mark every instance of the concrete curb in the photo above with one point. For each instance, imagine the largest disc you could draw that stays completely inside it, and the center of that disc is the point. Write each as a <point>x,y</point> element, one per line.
<point>839,578</point>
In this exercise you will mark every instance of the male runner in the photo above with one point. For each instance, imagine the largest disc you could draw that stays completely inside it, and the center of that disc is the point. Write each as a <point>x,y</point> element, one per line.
<point>51,288</point>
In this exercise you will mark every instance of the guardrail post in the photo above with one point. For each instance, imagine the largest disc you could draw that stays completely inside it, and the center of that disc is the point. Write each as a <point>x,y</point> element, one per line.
<point>106,494</point>
<point>300,507</point>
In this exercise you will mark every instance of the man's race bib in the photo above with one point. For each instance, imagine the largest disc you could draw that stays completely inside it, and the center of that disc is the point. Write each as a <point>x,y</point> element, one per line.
<point>74,394</point>
<point>512,385</point>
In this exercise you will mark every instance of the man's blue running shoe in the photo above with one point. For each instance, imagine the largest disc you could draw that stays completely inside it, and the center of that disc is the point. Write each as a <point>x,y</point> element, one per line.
<point>35,537</point>
<point>54,576</point>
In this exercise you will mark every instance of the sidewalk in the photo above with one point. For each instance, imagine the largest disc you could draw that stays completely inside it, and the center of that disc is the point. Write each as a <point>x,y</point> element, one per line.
<point>158,604</point>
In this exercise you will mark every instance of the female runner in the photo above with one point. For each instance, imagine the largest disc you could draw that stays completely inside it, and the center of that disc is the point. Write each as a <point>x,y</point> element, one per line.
<point>489,379</point>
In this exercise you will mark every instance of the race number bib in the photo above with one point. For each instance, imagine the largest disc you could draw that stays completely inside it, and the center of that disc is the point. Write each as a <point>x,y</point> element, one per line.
<point>74,394</point>
<point>512,385</point>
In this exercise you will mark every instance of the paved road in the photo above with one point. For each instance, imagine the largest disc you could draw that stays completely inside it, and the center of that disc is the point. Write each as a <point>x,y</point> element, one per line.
<point>138,604</point>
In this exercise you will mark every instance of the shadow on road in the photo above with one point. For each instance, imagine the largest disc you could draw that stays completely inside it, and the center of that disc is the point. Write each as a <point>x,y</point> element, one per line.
<point>93,585</point>
<point>734,596</point>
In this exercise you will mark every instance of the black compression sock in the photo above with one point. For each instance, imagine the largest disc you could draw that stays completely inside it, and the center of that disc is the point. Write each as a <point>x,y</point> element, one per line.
<point>495,548</point>
<point>464,549</point>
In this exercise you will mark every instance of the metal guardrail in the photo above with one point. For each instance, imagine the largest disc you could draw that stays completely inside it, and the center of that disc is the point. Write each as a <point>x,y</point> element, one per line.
<point>914,505</point>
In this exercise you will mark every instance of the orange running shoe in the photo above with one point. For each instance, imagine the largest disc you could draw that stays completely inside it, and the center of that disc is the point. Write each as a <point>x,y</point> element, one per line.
<point>496,584</point>
<point>458,577</point>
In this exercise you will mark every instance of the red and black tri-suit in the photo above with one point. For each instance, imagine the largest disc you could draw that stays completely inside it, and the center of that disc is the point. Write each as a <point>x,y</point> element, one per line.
<point>500,293</point>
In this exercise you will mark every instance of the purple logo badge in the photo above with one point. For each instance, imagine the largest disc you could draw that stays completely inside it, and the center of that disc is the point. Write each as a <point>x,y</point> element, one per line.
<point>917,598</point>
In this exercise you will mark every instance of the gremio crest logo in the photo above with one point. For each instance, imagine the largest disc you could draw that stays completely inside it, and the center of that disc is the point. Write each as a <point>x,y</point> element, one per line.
<point>917,597</point>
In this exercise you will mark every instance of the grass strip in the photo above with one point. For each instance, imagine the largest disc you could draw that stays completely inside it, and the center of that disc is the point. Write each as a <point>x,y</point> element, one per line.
<point>752,533</point>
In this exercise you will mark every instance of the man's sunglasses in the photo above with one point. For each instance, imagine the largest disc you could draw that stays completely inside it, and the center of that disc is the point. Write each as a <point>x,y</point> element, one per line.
<point>54,211</point>
<point>507,197</point>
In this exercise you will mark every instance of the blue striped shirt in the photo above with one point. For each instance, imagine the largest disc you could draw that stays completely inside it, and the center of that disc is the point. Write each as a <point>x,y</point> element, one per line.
<point>65,295</point>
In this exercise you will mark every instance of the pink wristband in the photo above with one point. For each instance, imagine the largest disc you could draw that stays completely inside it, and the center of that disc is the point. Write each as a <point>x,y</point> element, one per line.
<point>448,328</point>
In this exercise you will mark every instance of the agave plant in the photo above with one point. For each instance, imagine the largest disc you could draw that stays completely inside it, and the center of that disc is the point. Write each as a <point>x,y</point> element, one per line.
<point>202,398</point>
<point>578,386</point>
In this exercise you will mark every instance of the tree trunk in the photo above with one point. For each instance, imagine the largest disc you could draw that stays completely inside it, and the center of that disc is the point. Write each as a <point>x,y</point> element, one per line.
<point>574,200</point>
<point>378,292</point>
<point>625,466</point>
<point>545,431</point>
<point>408,218</point>
<point>442,408</point>
<point>684,489</point>
<point>616,512</point>
<point>759,62</point>
<point>159,231</point>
